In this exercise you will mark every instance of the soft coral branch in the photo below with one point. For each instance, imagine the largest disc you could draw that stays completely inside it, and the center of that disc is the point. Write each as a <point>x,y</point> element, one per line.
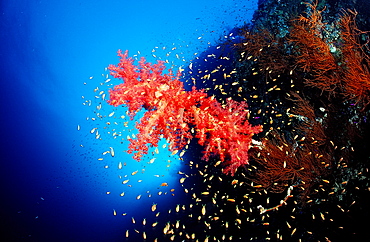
<point>173,113</point>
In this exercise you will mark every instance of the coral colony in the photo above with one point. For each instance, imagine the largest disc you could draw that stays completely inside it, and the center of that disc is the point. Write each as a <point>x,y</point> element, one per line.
<point>178,116</point>
<point>283,141</point>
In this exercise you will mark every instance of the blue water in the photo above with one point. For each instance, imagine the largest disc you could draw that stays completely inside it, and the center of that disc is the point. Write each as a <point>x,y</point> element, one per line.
<point>53,185</point>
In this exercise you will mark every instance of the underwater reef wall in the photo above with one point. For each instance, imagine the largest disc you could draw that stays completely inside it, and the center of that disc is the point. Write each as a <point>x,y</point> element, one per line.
<point>305,68</point>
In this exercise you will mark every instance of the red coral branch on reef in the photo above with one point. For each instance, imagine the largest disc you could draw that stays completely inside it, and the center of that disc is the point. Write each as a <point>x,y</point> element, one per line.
<point>356,61</point>
<point>314,55</point>
<point>303,160</point>
<point>179,116</point>
<point>335,66</point>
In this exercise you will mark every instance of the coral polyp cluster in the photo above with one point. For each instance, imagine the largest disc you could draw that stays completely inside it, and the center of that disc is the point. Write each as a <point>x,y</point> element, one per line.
<point>178,116</point>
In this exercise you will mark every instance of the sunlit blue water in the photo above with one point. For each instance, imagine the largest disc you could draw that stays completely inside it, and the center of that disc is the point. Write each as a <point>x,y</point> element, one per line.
<point>54,187</point>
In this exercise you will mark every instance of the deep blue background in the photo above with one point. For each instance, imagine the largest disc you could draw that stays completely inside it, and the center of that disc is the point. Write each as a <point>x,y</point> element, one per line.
<point>53,187</point>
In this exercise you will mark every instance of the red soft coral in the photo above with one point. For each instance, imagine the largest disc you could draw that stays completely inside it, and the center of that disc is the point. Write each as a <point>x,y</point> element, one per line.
<point>171,112</point>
